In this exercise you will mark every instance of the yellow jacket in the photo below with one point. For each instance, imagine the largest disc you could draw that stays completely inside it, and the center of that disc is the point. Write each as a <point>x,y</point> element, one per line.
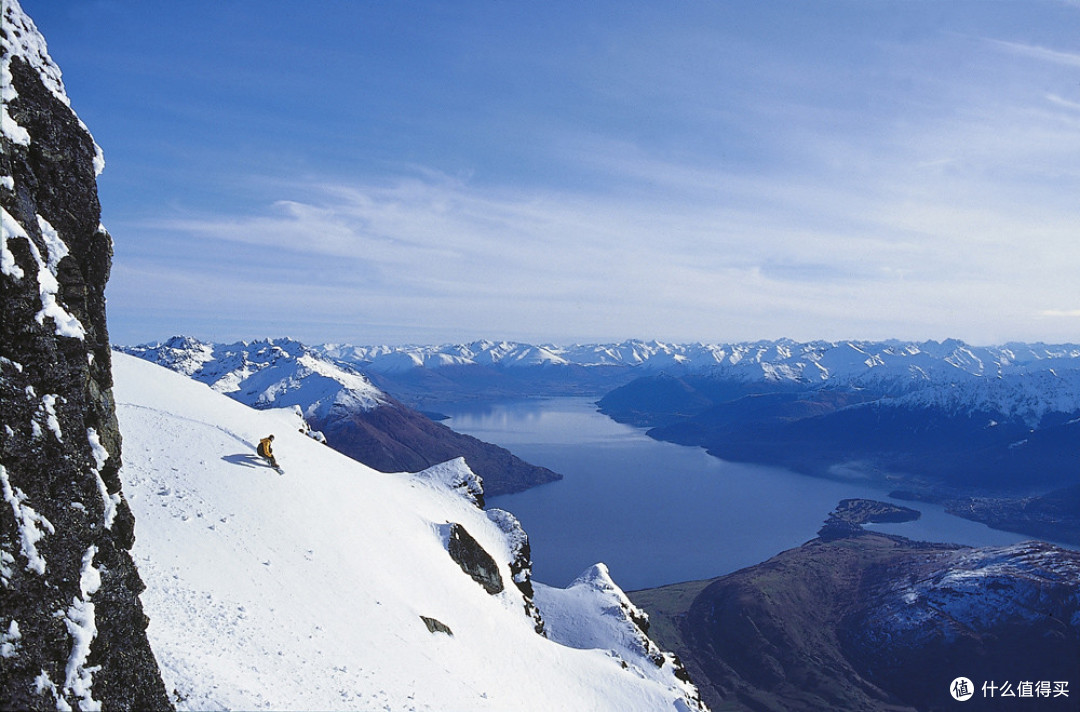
<point>264,447</point>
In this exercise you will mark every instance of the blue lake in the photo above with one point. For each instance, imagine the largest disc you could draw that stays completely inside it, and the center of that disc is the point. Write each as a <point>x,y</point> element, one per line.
<point>659,513</point>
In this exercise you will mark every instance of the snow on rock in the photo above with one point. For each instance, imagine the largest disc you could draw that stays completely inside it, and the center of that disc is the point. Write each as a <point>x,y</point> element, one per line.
<point>455,475</point>
<point>593,613</point>
<point>43,684</point>
<point>9,227</point>
<point>310,590</point>
<point>110,500</point>
<point>81,625</point>
<point>518,542</point>
<point>520,555</point>
<point>9,640</point>
<point>47,412</point>
<point>48,285</point>
<point>31,525</point>
<point>977,590</point>
<point>55,385</point>
<point>22,39</point>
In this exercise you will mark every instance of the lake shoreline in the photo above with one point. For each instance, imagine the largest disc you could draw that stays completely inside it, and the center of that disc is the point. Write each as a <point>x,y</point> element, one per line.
<point>659,513</point>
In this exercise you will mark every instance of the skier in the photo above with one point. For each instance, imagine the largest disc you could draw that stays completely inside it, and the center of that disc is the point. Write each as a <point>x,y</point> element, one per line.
<point>264,450</point>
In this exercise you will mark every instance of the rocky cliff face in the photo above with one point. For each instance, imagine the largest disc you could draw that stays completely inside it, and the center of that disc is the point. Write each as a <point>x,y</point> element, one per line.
<point>72,630</point>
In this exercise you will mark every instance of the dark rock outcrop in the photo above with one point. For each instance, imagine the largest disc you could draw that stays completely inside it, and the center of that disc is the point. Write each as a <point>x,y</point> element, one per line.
<point>521,563</point>
<point>74,633</point>
<point>473,559</point>
<point>434,625</point>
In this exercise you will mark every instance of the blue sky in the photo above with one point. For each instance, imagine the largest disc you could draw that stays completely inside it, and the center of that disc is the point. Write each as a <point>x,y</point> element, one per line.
<point>421,172</point>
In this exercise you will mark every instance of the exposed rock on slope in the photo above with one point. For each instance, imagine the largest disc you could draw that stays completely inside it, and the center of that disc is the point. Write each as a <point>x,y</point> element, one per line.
<point>473,559</point>
<point>72,625</point>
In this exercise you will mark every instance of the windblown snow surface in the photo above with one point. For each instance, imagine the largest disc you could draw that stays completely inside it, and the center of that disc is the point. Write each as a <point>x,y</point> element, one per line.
<point>306,590</point>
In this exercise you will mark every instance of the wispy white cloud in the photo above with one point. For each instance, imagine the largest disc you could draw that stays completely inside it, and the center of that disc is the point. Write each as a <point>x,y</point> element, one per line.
<point>1059,101</point>
<point>704,186</point>
<point>681,252</point>
<point>1067,313</point>
<point>1045,54</point>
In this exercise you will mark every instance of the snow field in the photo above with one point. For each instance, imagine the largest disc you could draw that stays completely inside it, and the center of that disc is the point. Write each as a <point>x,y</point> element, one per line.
<point>305,591</point>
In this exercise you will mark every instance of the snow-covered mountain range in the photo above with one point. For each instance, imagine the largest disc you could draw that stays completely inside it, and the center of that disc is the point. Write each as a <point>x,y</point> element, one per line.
<point>782,359</point>
<point>1026,380</point>
<point>339,587</point>
<point>981,419</point>
<point>991,432</point>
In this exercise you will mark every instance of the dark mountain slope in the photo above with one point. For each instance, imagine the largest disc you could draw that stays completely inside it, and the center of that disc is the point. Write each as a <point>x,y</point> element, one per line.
<point>875,622</point>
<point>396,438</point>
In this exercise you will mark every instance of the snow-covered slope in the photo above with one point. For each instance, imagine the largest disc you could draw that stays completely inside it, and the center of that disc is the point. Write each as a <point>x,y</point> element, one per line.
<point>307,591</point>
<point>1027,397</point>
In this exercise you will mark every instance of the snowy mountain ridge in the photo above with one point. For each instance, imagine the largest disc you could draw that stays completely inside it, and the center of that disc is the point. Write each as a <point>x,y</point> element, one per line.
<point>783,359</point>
<point>1028,397</point>
<point>335,586</point>
<point>268,374</point>
<point>1022,381</point>
<point>812,362</point>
